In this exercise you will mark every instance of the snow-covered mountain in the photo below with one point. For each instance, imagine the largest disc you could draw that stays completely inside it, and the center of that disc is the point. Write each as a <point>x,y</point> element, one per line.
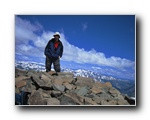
<point>125,86</point>
<point>77,72</point>
<point>25,65</point>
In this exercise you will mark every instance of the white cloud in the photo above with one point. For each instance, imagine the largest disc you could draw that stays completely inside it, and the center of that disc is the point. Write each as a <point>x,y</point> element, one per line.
<point>25,48</point>
<point>73,53</point>
<point>25,31</point>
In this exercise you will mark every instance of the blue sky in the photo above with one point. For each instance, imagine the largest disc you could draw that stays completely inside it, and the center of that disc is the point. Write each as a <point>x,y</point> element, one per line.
<point>102,40</point>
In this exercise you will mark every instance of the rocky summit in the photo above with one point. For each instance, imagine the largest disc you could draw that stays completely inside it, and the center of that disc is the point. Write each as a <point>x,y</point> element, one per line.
<point>42,88</point>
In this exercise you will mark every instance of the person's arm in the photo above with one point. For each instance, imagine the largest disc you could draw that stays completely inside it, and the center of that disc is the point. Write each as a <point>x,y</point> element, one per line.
<point>46,49</point>
<point>61,50</point>
<point>49,49</point>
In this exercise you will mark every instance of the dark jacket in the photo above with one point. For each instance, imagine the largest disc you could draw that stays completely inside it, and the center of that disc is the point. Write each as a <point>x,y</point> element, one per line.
<point>50,50</point>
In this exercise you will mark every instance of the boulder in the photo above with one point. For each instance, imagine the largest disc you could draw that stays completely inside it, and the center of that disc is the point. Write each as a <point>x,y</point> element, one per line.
<point>83,81</point>
<point>68,86</point>
<point>96,90</point>
<point>53,101</point>
<point>58,87</point>
<point>114,91</point>
<point>130,100</point>
<point>63,79</point>
<point>44,89</point>
<point>91,95</point>
<point>39,77</point>
<point>66,74</point>
<point>97,100</point>
<point>46,94</point>
<point>119,96</point>
<point>98,84</point>
<point>19,72</point>
<point>29,87</point>
<point>41,84</point>
<point>36,98</point>
<point>20,78</point>
<point>104,102</point>
<point>108,84</point>
<point>105,96</point>
<point>20,84</point>
<point>45,78</point>
<point>71,99</point>
<point>122,102</point>
<point>57,81</point>
<point>36,78</point>
<point>56,93</point>
<point>89,101</point>
<point>111,102</point>
<point>82,91</point>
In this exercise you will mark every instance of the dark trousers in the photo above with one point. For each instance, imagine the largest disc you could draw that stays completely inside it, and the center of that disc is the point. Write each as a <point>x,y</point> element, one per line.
<point>56,64</point>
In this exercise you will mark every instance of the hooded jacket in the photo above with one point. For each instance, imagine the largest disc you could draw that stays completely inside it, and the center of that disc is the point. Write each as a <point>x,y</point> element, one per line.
<point>51,51</point>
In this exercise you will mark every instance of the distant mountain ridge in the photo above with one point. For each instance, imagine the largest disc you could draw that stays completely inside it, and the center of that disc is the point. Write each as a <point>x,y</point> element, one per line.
<point>124,86</point>
<point>77,72</point>
<point>103,70</point>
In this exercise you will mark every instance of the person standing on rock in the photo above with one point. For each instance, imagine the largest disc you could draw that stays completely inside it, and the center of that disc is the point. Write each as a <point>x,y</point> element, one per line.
<point>53,52</point>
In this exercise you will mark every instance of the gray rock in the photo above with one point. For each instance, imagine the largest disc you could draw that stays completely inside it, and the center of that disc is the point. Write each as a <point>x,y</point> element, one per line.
<point>91,95</point>
<point>106,87</point>
<point>82,91</point>
<point>29,87</point>
<point>105,96</point>
<point>111,102</point>
<point>68,91</point>
<point>36,98</point>
<point>64,77</point>
<point>68,86</point>
<point>130,100</point>
<point>119,96</point>
<point>83,81</point>
<point>65,100</point>
<point>20,84</point>
<point>64,89</point>
<point>114,95</point>
<point>66,74</point>
<point>71,99</point>
<point>98,84</point>
<point>58,87</point>
<point>114,91</point>
<point>39,79</point>
<point>56,93</point>
<point>46,94</point>
<point>97,100</point>
<point>122,102</point>
<point>60,82</point>
<point>20,78</point>
<point>53,101</point>
<point>96,90</point>
<point>45,78</point>
<point>103,102</point>
<point>89,101</point>
<point>48,75</point>
<point>108,84</point>
<point>19,72</point>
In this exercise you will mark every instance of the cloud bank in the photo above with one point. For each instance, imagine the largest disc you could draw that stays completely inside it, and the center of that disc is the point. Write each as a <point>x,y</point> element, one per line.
<point>31,39</point>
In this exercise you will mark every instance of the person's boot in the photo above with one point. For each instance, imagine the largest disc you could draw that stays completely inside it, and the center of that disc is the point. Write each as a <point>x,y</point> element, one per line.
<point>55,74</point>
